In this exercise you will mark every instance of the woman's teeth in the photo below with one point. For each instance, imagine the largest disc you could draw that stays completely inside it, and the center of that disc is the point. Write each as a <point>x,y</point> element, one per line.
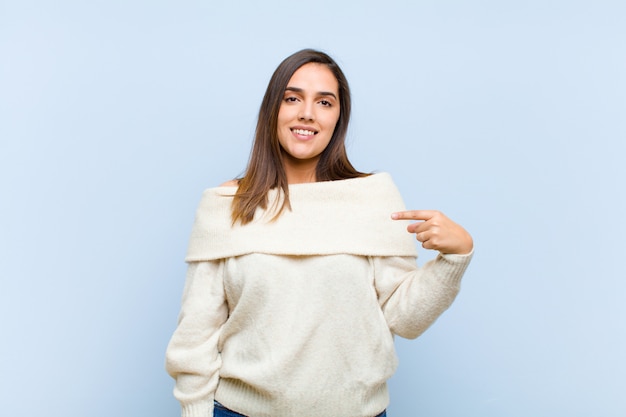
<point>303,132</point>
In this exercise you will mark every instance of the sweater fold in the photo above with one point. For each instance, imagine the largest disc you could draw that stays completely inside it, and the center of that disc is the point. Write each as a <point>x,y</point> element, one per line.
<point>356,213</point>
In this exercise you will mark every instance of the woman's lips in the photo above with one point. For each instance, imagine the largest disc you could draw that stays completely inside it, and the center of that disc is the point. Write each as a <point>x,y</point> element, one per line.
<point>303,134</point>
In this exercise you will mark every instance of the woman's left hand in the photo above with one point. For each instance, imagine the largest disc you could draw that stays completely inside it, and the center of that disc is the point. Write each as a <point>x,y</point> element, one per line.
<point>436,231</point>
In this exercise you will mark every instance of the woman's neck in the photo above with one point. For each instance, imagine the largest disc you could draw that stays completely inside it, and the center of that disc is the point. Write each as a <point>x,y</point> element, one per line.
<point>299,171</point>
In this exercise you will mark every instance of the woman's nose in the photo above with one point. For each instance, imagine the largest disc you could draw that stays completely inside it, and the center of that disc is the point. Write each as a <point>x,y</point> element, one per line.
<point>306,112</point>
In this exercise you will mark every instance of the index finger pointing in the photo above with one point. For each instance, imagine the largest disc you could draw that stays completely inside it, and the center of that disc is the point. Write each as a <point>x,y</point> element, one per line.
<point>413,215</point>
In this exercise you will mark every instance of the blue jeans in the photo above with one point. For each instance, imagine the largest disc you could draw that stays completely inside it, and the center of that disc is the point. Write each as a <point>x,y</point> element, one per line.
<point>220,411</point>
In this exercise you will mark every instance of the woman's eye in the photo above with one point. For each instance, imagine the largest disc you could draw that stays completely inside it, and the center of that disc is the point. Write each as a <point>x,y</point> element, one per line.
<point>290,99</point>
<point>325,103</point>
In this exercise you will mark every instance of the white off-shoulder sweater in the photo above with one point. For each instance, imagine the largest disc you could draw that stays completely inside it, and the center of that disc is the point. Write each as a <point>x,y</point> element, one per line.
<point>296,317</point>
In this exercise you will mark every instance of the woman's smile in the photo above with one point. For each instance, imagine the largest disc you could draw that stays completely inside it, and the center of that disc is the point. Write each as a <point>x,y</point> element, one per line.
<point>303,133</point>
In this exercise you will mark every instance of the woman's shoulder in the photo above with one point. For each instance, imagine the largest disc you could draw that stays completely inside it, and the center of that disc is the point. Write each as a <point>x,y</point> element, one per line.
<point>231,183</point>
<point>226,189</point>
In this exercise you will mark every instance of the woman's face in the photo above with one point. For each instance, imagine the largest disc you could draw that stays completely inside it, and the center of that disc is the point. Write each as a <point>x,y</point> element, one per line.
<point>308,114</point>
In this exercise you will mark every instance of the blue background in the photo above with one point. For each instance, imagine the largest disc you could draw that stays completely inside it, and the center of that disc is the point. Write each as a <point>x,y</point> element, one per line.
<point>509,116</point>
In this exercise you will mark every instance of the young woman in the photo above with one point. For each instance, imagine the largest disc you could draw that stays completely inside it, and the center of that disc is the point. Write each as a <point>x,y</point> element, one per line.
<point>301,272</point>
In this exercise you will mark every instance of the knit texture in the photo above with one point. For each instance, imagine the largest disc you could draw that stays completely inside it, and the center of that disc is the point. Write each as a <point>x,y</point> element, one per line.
<point>296,317</point>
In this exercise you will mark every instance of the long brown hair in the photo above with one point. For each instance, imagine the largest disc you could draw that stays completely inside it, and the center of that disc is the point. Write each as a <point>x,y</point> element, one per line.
<point>265,168</point>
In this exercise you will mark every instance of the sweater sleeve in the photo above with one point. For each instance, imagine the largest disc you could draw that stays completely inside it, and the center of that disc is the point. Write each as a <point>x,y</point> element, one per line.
<point>192,356</point>
<point>412,298</point>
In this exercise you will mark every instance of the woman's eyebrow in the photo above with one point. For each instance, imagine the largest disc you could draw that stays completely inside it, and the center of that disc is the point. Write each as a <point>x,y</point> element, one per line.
<point>320,93</point>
